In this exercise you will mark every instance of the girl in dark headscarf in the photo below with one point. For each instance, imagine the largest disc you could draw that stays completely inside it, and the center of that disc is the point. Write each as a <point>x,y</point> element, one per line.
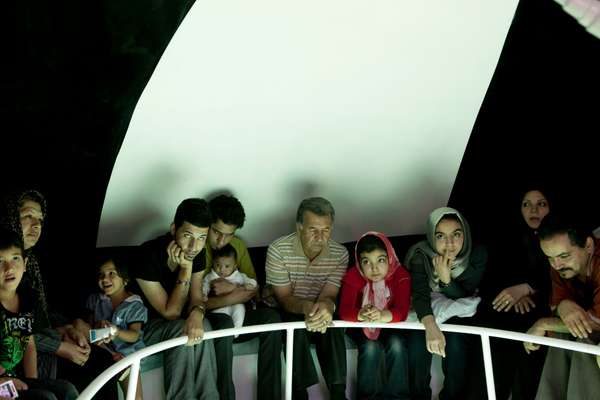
<point>377,289</point>
<point>448,263</point>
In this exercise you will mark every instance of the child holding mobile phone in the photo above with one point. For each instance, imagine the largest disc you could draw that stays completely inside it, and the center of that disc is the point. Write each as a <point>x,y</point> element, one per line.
<point>119,310</point>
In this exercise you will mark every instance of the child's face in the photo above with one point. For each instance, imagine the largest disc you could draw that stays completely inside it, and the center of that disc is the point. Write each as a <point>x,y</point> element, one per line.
<point>12,267</point>
<point>374,264</point>
<point>449,238</point>
<point>109,280</point>
<point>224,266</point>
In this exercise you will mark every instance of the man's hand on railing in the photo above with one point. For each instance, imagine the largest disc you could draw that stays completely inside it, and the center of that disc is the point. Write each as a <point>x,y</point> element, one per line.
<point>575,318</point>
<point>319,317</point>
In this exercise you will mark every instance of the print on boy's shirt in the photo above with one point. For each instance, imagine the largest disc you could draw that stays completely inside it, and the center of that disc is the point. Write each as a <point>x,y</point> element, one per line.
<point>23,322</point>
<point>15,331</point>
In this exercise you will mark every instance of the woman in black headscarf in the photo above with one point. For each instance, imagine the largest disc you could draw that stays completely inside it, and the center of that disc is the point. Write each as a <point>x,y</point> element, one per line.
<point>56,338</point>
<point>517,292</point>
<point>25,214</point>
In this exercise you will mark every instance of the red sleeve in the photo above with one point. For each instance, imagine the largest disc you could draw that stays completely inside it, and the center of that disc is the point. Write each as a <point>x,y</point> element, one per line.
<point>400,287</point>
<point>351,299</point>
<point>595,309</point>
<point>560,289</point>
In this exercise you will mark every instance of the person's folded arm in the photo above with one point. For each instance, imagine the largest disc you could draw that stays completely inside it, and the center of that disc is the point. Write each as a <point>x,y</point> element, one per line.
<point>168,306</point>
<point>350,300</point>
<point>30,359</point>
<point>421,291</point>
<point>237,296</point>
<point>291,303</point>
<point>401,301</point>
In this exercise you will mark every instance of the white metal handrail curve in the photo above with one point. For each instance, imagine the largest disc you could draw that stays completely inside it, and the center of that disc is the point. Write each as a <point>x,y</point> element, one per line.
<point>134,359</point>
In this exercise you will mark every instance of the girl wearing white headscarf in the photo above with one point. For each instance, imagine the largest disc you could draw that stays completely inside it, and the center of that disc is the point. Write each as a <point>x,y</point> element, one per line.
<point>448,263</point>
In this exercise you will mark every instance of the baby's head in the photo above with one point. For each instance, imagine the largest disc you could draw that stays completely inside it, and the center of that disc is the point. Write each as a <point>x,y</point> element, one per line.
<point>372,258</point>
<point>225,261</point>
<point>113,276</point>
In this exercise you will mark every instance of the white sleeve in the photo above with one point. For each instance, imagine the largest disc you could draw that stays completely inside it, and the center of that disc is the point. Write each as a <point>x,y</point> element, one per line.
<point>206,284</point>
<point>247,281</point>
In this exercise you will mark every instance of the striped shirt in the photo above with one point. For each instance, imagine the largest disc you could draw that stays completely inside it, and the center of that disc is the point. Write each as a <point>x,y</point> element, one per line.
<point>288,265</point>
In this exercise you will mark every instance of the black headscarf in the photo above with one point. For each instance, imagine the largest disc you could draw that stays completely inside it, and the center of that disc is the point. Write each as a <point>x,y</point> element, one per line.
<point>534,268</point>
<point>33,276</point>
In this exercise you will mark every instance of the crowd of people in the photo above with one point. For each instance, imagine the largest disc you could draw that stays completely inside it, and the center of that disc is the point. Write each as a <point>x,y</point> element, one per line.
<point>199,276</point>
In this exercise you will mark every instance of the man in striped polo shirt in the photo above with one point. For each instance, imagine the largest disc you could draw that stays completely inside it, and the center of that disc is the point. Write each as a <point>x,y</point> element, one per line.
<point>305,270</point>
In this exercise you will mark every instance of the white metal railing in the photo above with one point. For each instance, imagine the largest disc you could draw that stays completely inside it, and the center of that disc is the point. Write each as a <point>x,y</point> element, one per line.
<point>134,359</point>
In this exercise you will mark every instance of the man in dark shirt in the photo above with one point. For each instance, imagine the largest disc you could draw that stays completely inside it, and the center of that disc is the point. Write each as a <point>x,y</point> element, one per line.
<point>169,274</point>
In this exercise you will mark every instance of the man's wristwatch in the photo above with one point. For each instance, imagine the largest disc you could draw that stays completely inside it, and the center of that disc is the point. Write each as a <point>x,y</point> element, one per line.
<point>183,282</point>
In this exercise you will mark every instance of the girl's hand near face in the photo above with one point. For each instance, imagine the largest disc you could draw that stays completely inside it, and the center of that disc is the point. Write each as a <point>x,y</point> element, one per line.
<point>442,264</point>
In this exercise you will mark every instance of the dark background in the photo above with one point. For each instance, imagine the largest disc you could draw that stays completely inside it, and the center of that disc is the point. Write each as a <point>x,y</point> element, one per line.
<point>73,71</point>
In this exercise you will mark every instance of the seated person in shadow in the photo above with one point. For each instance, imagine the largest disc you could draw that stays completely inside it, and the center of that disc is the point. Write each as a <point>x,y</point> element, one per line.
<point>18,358</point>
<point>516,294</point>
<point>62,350</point>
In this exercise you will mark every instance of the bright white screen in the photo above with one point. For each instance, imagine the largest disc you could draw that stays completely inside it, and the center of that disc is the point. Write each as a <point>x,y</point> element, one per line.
<point>367,103</point>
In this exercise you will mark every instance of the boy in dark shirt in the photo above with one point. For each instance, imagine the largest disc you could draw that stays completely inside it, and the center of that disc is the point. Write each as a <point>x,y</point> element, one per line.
<point>18,356</point>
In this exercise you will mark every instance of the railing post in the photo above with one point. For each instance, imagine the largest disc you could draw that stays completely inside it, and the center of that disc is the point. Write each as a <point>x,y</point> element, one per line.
<point>289,362</point>
<point>489,369</point>
<point>134,372</point>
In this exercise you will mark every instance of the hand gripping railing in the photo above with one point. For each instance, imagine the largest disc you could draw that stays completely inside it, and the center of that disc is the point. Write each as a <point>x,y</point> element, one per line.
<point>133,360</point>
